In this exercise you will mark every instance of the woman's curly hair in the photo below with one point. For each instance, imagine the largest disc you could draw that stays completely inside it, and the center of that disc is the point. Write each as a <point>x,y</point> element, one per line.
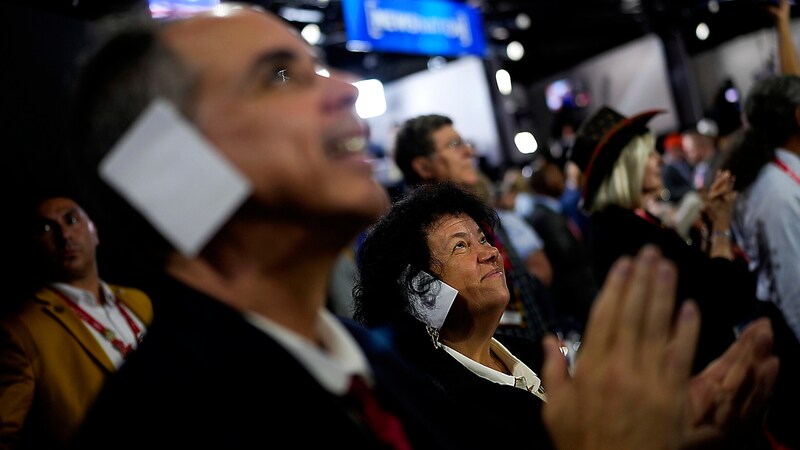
<point>395,249</point>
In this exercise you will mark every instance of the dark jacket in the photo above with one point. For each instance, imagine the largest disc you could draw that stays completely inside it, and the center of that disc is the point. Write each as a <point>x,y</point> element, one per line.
<point>723,289</point>
<point>509,417</point>
<point>574,286</point>
<point>205,378</point>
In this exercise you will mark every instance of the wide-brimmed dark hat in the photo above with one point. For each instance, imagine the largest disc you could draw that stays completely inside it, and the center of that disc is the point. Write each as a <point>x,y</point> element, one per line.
<point>599,142</point>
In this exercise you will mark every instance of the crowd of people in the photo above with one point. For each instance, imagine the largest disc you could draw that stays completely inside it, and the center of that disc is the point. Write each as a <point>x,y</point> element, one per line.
<point>584,321</point>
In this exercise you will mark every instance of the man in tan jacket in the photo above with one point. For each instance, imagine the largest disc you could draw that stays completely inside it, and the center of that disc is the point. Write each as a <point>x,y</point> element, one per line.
<point>58,349</point>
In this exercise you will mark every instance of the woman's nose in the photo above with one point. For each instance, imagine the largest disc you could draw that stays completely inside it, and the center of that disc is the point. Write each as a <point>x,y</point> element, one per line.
<point>491,254</point>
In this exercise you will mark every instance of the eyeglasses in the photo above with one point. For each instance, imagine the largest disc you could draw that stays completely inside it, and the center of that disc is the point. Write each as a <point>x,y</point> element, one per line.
<point>458,143</point>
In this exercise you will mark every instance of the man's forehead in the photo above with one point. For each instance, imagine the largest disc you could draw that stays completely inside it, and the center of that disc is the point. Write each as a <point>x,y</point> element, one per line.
<point>57,206</point>
<point>239,28</point>
<point>446,131</point>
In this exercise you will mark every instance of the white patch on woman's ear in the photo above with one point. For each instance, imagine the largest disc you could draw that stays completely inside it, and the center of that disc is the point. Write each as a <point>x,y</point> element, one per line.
<point>431,307</point>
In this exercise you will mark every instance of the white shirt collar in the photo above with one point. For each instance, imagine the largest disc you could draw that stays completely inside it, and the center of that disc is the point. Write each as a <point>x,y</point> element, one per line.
<point>523,377</point>
<point>84,297</point>
<point>791,159</point>
<point>334,365</point>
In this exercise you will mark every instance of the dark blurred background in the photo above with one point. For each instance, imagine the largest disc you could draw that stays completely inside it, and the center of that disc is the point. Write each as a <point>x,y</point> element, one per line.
<point>42,40</point>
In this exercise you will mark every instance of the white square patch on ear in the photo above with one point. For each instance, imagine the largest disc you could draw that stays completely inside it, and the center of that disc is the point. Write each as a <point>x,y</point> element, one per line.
<point>166,169</point>
<point>433,306</point>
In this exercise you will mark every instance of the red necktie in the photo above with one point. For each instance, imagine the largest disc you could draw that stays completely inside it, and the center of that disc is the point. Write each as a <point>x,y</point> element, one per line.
<point>386,427</point>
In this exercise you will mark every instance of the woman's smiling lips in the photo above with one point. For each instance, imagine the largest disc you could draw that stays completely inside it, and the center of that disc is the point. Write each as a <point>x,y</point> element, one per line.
<point>494,272</point>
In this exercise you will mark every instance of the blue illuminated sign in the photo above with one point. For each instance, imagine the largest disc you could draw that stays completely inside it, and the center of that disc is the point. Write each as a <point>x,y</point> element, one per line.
<point>428,27</point>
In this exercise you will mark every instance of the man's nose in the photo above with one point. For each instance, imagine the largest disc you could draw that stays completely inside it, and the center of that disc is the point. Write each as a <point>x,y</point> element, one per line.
<point>340,93</point>
<point>63,233</point>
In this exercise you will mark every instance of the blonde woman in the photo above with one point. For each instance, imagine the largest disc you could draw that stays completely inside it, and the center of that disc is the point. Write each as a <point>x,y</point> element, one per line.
<point>622,172</point>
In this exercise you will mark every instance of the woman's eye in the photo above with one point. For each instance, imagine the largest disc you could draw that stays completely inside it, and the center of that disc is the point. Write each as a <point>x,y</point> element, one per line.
<point>483,240</point>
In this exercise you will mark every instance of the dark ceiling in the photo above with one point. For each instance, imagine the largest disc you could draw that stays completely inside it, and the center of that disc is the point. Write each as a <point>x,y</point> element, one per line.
<point>562,33</point>
<point>43,38</point>
<point>566,32</point>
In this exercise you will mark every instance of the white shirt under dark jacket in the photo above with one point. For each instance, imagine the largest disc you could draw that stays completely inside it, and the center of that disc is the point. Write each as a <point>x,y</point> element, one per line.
<point>522,376</point>
<point>334,365</point>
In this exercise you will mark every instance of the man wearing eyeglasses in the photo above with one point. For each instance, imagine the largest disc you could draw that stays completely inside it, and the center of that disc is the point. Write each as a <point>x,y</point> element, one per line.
<point>428,148</point>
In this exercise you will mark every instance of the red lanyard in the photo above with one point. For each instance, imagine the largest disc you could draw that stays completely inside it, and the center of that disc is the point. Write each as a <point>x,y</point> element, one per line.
<point>109,335</point>
<point>781,165</point>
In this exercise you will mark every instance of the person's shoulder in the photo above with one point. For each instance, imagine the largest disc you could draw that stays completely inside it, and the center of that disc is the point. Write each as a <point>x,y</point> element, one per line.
<point>613,214</point>
<point>617,230</point>
<point>772,182</point>
<point>371,341</point>
<point>393,349</point>
<point>127,291</point>
<point>131,295</point>
<point>543,212</point>
<point>28,311</point>
<point>136,299</point>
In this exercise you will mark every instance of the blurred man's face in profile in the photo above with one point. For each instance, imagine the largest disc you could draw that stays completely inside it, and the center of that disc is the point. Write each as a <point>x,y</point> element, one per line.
<point>453,158</point>
<point>696,147</point>
<point>293,133</point>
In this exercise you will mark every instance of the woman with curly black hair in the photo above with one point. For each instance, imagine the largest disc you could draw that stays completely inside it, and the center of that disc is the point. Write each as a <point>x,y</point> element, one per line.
<point>442,234</point>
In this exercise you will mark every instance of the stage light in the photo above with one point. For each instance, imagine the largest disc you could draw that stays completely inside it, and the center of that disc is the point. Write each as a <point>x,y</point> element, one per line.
<point>515,50</point>
<point>371,100</point>
<point>503,79</point>
<point>702,31</point>
<point>526,142</point>
<point>312,34</point>
<point>522,21</point>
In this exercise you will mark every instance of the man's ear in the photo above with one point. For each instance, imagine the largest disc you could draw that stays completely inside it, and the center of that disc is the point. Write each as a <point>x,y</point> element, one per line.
<point>423,166</point>
<point>93,232</point>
